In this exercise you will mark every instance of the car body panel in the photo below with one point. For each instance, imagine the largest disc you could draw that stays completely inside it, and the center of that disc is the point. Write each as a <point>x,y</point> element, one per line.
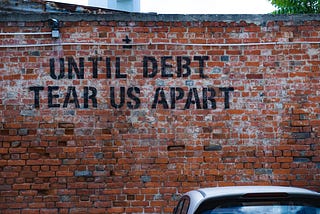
<point>196,197</point>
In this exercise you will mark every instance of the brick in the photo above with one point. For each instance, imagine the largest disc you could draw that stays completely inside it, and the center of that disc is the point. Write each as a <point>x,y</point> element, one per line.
<point>16,162</point>
<point>225,58</point>
<point>115,210</point>
<point>46,174</point>
<point>252,29</point>
<point>21,186</point>
<point>66,125</point>
<point>284,159</point>
<point>301,135</point>
<point>213,148</point>
<point>17,150</point>
<point>64,174</point>
<point>4,150</point>
<point>300,111</point>
<point>263,171</point>
<point>145,179</point>
<point>301,159</point>
<point>254,76</point>
<point>300,123</point>
<point>31,210</point>
<point>85,173</point>
<point>176,147</point>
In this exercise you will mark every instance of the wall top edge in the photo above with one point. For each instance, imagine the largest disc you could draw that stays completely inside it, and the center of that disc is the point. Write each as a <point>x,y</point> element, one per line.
<point>151,17</point>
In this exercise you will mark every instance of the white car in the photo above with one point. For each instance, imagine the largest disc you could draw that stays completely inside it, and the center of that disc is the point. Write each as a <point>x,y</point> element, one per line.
<point>249,200</point>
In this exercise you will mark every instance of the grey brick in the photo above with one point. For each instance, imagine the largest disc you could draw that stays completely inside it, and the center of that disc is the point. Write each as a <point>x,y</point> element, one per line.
<point>301,135</point>
<point>213,148</point>
<point>145,178</point>
<point>263,171</point>
<point>85,173</point>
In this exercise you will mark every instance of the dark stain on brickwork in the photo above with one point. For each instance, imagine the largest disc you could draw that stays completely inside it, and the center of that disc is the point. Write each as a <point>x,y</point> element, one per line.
<point>176,147</point>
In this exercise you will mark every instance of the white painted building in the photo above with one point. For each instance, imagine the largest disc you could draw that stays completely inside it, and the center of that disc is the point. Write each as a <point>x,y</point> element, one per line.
<point>125,5</point>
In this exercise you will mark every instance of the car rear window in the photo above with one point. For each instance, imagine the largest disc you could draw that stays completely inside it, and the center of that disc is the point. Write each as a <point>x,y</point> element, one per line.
<point>262,208</point>
<point>282,205</point>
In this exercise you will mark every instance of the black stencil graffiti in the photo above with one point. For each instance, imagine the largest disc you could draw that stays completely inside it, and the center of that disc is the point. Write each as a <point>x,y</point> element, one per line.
<point>192,98</point>
<point>78,70</point>
<point>120,96</point>
<point>183,69</point>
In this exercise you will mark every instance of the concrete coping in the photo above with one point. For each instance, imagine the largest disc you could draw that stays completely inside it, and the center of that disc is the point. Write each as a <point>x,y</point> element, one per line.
<point>259,19</point>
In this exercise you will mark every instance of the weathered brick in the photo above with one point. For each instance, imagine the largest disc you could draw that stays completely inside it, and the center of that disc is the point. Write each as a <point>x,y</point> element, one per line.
<point>300,123</point>
<point>16,162</point>
<point>21,186</point>
<point>85,173</point>
<point>301,135</point>
<point>263,171</point>
<point>254,76</point>
<point>66,125</point>
<point>96,128</point>
<point>213,148</point>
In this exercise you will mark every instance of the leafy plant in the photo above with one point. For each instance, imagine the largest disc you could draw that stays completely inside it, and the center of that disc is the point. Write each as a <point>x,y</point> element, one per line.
<point>296,6</point>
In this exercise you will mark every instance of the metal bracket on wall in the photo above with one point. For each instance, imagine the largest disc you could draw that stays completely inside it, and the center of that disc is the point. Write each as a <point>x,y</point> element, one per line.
<point>54,23</point>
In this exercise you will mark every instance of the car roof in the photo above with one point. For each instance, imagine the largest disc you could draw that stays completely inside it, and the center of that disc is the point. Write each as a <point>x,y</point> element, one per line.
<point>239,190</point>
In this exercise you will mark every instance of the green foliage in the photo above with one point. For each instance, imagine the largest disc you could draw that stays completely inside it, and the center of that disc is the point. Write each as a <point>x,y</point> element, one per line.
<point>296,6</point>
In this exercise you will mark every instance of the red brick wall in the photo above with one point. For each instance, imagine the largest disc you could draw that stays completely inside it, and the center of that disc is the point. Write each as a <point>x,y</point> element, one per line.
<point>103,135</point>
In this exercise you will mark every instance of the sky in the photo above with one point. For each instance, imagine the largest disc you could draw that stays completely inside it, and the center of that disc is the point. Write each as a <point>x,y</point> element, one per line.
<point>198,6</point>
